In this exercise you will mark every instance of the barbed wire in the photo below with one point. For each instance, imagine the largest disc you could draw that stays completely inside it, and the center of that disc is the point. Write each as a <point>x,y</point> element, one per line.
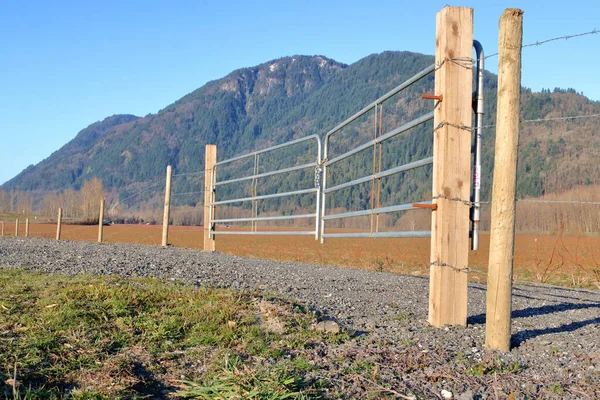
<point>527,121</point>
<point>189,173</point>
<point>561,118</point>
<point>471,128</point>
<point>576,202</point>
<point>186,193</point>
<point>465,62</point>
<point>474,204</point>
<point>194,210</point>
<point>524,282</point>
<point>112,207</point>
<point>540,43</point>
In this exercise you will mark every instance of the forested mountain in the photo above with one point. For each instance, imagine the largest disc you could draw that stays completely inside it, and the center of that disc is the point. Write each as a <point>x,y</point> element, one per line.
<point>292,97</point>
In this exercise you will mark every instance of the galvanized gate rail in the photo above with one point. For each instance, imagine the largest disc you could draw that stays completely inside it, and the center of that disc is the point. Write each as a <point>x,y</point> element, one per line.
<point>254,198</point>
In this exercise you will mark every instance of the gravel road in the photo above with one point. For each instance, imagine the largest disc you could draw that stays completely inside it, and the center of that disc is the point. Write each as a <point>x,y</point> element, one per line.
<point>556,331</point>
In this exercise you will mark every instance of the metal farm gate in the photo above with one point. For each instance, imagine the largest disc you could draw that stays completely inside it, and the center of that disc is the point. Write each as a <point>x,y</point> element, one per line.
<point>254,198</point>
<point>322,164</point>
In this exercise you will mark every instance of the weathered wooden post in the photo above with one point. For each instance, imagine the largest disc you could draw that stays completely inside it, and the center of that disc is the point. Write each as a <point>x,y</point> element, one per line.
<point>26,227</point>
<point>17,227</point>
<point>101,221</point>
<point>451,167</point>
<point>58,223</point>
<point>502,230</point>
<point>2,228</point>
<point>210,158</point>
<point>165,231</point>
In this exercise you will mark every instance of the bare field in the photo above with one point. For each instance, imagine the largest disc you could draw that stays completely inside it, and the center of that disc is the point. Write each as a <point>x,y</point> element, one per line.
<point>558,259</point>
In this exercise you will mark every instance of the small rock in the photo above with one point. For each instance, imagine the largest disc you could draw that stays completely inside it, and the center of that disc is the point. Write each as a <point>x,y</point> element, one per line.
<point>468,395</point>
<point>446,394</point>
<point>370,325</point>
<point>328,327</point>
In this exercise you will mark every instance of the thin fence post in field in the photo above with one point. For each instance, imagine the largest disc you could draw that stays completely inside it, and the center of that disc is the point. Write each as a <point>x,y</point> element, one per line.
<point>58,223</point>
<point>26,227</point>
<point>451,167</point>
<point>210,158</point>
<point>17,227</point>
<point>165,230</point>
<point>2,228</point>
<point>101,221</point>
<point>502,230</point>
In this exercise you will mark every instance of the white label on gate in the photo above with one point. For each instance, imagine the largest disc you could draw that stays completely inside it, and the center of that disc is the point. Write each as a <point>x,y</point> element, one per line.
<point>477,176</point>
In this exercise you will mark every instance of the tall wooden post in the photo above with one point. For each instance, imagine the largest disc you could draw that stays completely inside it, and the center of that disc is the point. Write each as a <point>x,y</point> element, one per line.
<point>210,158</point>
<point>17,227</point>
<point>26,227</point>
<point>101,221</point>
<point>502,230</point>
<point>2,228</point>
<point>58,224</point>
<point>165,231</point>
<point>451,166</point>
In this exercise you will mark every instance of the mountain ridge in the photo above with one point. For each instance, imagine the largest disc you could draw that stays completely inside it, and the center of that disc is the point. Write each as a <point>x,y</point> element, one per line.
<point>291,97</point>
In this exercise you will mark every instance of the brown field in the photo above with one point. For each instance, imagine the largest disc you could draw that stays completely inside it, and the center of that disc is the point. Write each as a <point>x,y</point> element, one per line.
<point>558,259</point>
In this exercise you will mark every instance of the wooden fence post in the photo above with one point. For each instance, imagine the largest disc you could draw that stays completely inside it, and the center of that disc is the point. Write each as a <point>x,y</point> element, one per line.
<point>101,221</point>
<point>58,223</point>
<point>502,230</point>
<point>26,227</point>
<point>17,227</point>
<point>451,167</point>
<point>2,228</point>
<point>165,231</point>
<point>210,158</point>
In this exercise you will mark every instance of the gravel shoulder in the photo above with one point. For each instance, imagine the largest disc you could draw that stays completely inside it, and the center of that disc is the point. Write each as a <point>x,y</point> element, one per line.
<point>556,331</point>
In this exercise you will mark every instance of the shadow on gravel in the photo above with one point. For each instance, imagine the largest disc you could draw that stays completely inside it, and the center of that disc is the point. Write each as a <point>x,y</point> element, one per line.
<point>537,311</point>
<point>522,336</point>
<point>551,294</point>
<point>518,338</point>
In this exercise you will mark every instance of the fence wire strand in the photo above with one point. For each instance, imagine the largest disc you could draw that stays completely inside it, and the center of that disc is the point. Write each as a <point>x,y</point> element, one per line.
<point>540,43</point>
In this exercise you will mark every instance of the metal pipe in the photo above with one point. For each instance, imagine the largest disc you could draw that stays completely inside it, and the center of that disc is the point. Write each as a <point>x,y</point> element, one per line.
<point>265,174</point>
<point>271,218</point>
<point>382,174</point>
<point>401,129</point>
<point>295,141</point>
<point>323,186</point>
<point>478,105</point>
<point>278,233</point>
<point>319,186</point>
<point>403,234</point>
<point>380,210</point>
<point>265,196</point>
<point>211,200</point>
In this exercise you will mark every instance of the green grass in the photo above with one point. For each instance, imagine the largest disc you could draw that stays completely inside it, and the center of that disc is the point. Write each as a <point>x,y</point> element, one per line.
<point>104,337</point>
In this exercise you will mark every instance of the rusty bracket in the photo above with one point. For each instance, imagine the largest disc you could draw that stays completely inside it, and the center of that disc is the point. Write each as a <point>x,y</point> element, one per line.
<point>432,97</point>
<point>433,207</point>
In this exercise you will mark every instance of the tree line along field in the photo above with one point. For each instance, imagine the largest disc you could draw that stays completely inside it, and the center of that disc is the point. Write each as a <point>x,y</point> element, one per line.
<point>570,260</point>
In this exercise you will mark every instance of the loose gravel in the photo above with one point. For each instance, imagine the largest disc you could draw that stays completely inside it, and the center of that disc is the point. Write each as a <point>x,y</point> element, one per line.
<point>555,331</point>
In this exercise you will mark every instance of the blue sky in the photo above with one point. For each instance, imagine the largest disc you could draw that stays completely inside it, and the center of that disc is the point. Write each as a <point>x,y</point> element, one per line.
<point>67,64</point>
